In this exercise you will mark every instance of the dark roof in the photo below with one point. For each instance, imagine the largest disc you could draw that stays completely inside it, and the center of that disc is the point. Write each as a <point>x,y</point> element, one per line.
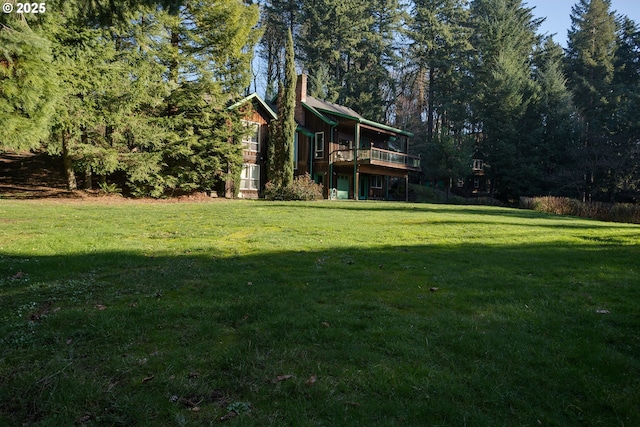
<point>318,106</point>
<point>340,110</point>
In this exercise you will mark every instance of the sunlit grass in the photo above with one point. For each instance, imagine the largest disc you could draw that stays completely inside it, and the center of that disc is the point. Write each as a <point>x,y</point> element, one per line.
<point>255,313</point>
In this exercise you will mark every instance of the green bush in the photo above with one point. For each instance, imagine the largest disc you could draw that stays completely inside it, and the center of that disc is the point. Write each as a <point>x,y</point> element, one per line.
<point>109,188</point>
<point>302,188</point>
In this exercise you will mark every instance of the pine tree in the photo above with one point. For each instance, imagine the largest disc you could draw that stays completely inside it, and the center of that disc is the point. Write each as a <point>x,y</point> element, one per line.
<point>590,65</point>
<point>354,42</point>
<point>505,38</point>
<point>624,180</point>
<point>28,86</point>
<point>277,17</point>
<point>553,116</point>
<point>438,52</point>
<point>440,43</point>
<point>109,85</point>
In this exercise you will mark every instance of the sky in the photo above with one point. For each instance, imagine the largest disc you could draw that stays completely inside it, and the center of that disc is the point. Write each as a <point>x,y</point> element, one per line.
<point>558,14</point>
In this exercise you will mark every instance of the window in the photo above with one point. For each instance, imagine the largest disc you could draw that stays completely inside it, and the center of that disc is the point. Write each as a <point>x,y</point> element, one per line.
<point>250,177</point>
<point>251,140</point>
<point>295,151</point>
<point>477,164</point>
<point>376,181</point>
<point>476,183</point>
<point>319,145</point>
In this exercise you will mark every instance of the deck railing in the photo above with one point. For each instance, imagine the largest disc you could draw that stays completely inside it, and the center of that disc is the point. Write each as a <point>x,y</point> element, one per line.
<point>377,155</point>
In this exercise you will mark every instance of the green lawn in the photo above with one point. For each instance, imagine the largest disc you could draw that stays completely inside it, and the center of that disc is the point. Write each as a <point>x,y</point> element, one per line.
<point>315,314</point>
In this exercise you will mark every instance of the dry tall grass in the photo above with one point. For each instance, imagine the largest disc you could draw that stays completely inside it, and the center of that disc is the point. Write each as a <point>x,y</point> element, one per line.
<point>620,212</point>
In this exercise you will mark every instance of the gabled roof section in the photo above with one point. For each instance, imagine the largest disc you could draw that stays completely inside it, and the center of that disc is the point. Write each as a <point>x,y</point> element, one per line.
<point>318,114</point>
<point>330,107</point>
<point>259,100</point>
<point>272,112</point>
<point>318,107</point>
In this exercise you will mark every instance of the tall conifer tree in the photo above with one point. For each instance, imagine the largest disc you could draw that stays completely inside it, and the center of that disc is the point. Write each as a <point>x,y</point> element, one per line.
<point>556,113</point>
<point>282,130</point>
<point>277,16</point>
<point>505,38</point>
<point>286,112</point>
<point>354,42</point>
<point>590,65</point>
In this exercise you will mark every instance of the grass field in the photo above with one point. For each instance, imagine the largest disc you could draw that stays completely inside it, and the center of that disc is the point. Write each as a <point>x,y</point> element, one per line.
<point>318,314</point>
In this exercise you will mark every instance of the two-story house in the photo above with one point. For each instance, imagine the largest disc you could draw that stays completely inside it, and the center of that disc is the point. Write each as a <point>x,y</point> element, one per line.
<point>351,156</point>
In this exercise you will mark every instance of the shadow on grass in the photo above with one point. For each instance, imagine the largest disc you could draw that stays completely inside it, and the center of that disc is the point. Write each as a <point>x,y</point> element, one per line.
<point>415,335</point>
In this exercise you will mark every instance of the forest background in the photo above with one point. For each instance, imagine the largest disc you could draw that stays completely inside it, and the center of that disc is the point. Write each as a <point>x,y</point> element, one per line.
<point>136,92</point>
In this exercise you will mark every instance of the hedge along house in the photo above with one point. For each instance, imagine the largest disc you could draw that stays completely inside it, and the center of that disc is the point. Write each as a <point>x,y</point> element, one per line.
<point>352,157</point>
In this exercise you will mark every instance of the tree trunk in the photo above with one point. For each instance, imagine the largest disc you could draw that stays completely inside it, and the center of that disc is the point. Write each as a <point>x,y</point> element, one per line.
<point>172,108</point>
<point>88,178</point>
<point>432,78</point>
<point>68,163</point>
<point>87,169</point>
<point>420,80</point>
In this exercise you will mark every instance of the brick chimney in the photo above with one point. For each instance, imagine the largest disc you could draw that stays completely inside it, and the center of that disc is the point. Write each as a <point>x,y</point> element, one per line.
<point>301,96</point>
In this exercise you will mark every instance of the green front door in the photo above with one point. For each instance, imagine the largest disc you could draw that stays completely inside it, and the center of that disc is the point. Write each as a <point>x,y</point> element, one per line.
<point>364,187</point>
<point>343,187</point>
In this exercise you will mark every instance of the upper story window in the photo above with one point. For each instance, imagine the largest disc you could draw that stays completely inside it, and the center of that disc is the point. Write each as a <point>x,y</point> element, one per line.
<point>251,140</point>
<point>319,145</point>
<point>478,164</point>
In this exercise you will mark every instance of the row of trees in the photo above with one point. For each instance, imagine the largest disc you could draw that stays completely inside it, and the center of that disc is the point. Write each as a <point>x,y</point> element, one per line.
<point>135,90</point>
<point>477,78</point>
<point>138,89</point>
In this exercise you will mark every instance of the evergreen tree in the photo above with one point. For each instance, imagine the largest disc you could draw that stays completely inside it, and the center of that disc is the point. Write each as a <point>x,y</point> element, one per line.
<point>282,132</point>
<point>28,85</point>
<point>624,180</point>
<point>354,41</point>
<point>590,65</point>
<point>505,38</point>
<point>438,51</point>
<point>277,17</point>
<point>110,84</point>
<point>556,118</point>
<point>439,46</point>
<point>146,95</point>
<point>286,112</point>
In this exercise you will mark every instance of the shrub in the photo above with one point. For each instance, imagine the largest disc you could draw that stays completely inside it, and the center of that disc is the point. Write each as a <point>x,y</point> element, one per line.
<point>302,188</point>
<point>621,212</point>
<point>109,188</point>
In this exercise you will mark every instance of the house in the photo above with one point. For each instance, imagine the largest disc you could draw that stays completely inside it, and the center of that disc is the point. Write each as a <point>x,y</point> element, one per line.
<point>478,184</point>
<point>351,156</point>
<point>258,114</point>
